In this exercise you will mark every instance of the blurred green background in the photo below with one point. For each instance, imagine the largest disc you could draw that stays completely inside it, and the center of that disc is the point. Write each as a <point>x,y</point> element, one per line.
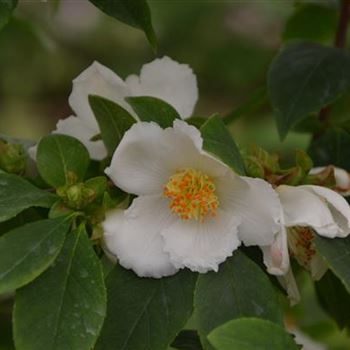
<point>228,44</point>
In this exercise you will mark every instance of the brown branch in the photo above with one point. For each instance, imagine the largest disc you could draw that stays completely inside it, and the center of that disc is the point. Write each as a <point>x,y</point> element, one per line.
<point>339,41</point>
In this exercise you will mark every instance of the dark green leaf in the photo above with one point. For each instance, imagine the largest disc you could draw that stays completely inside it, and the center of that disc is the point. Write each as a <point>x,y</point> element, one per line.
<point>314,22</point>
<point>333,147</point>
<point>145,313</point>
<point>113,120</point>
<point>151,109</point>
<point>65,307</point>
<point>334,298</point>
<point>62,160</point>
<point>187,340</point>
<point>336,252</point>
<point>135,13</point>
<point>251,334</point>
<point>196,121</point>
<point>29,250</point>
<point>17,194</point>
<point>218,141</point>
<point>303,78</point>
<point>6,9</point>
<point>239,289</point>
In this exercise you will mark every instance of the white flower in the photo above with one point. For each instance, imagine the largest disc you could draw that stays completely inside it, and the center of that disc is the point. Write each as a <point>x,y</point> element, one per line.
<point>191,210</point>
<point>306,209</point>
<point>342,179</point>
<point>162,78</point>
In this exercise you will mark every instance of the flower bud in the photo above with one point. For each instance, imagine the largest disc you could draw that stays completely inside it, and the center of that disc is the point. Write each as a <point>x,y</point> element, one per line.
<point>12,157</point>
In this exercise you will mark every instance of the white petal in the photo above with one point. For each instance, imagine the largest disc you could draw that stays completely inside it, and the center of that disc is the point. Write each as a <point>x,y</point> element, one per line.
<point>342,179</point>
<point>288,282</point>
<point>338,207</point>
<point>77,128</point>
<point>318,267</point>
<point>302,207</point>
<point>168,80</point>
<point>133,236</point>
<point>96,80</point>
<point>148,155</point>
<point>276,256</point>
<point>256,203</point>
<point>202,246</point>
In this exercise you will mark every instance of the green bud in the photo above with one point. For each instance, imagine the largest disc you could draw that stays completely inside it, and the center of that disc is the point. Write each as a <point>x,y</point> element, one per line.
<point>98,185</point>
<point>76,196</point>
<point>253,167</point>
<point>303,160</point>
<point>12,157</point>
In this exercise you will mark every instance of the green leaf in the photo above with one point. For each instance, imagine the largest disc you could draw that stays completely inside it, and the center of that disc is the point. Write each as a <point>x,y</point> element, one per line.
<point>218,141</point>
<point>196,121</point>
<point>239,289</point>
<point>303,78</point>
<point>251,334</point>
<point>65,307</point>
<point>29,250</point>
<point>112,119</point>
<point>17,195</point>
<point>333,147</point>
<point>6,9</point>
<point>334,298</point>
<point>151,109</point>
<point>314,22</point>
<point>62,160</point>
<point>135,13</point>
<point>145,313</point>
<point>336,252</point>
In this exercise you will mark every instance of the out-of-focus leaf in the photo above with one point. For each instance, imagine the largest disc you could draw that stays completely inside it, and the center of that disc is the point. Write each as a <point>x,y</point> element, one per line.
<point>315,22</point>
<point>303,78</point>
<point>6,9</point>
<point>135,13</point>
<point>336,252</point>
<point>62,160</point>
<point>334,298</point>
<point>332,147</point>
<point>29,250</point>
<point>65,307</point>
<point>112,119</point>
<point>145,313</point>
<point>151,109</point>
<point>239,289</point>
<point>16,195</point>
<point>251,334</point>
<point>218,141</point>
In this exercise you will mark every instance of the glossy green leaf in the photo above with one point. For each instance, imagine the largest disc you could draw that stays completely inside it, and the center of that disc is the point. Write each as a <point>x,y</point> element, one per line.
<point>135,13</point>
<point>29,250</point>
<point>145,313</point>
<point>303,78</point>
<point>336,252</point>
<point>152,109</point>
<point>251,334</point>
<point>6,9</point>
<point>218,141</point>
<point>315,22</point>
<point>65,307</point>
<point>62,160</point>
<point>112,119</point>
<point>16,195</point>
<point>332,147</point>
<point>334,299</point>
<point>239,289</point>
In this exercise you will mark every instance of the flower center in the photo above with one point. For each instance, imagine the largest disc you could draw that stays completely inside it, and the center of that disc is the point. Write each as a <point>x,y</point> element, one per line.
<point>300,242</point>
<point>192,195</point>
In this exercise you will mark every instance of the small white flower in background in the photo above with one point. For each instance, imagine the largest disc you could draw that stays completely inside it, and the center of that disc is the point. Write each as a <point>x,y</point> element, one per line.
<point>306,209</point>
<point>342,179</point>
<point>163,78</point>
<point>191,210</point>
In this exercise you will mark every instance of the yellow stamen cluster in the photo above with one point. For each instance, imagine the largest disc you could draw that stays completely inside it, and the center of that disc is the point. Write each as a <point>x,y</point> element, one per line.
<point>192,195</point>
<point>300,241</point>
